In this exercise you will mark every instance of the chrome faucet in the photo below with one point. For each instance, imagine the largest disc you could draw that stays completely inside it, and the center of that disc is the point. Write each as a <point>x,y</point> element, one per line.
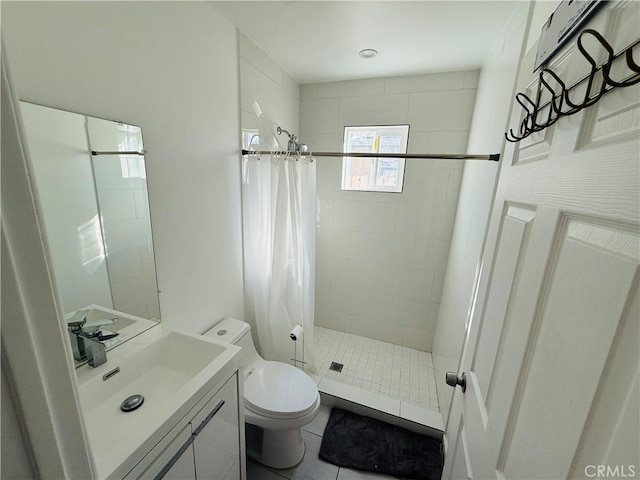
<point>86,338</point>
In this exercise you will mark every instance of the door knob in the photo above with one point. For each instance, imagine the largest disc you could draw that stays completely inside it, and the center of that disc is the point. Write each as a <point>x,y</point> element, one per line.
<point>453,380</point>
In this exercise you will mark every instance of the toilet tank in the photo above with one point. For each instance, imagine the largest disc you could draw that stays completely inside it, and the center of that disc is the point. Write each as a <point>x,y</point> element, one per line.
<point>237,332</point>
<point>229,330</point>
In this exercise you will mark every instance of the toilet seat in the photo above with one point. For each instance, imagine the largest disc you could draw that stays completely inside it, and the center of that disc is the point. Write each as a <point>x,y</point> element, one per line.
<point>280,391</point>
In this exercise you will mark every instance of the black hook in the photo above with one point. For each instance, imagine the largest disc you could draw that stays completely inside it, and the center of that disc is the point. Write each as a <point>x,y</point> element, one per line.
<point>559,100</point>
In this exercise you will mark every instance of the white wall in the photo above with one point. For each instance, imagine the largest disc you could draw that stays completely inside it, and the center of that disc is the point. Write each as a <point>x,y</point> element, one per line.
<point>476,194</point>
<point>381,257</point>
<point>172,69</point>
<point>264,82</point>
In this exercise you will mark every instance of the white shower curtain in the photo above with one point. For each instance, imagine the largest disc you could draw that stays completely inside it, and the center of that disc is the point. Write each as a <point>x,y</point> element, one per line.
<point>279,197</point>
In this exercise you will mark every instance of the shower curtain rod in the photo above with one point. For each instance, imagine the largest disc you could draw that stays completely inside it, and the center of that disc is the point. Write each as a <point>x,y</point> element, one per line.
<point>494,157</point>
<point>95,153</point>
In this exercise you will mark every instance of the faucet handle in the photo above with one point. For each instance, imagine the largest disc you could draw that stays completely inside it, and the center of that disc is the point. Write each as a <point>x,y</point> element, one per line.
<point>75,323</point>
<point>94,325</point>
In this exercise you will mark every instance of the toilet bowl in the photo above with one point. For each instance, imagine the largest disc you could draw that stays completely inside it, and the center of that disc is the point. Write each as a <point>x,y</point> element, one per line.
<point>279,399</point>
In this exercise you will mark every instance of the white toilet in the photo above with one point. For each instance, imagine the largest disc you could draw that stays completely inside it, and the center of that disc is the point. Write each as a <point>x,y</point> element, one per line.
<point>279,399</point>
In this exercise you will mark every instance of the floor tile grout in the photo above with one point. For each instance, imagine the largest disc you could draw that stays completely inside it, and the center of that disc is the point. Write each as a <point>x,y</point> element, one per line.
<point>312,433</point>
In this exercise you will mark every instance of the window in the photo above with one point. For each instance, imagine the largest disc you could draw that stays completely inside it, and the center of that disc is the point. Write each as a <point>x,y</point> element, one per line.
<point>250,139</point>
<point>374,174</point>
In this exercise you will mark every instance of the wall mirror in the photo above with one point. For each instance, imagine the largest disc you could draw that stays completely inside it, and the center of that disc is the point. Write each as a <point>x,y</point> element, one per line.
<point>95,214</point>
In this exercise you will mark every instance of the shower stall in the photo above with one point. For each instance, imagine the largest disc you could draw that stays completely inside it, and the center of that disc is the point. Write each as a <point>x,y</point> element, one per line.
<point>380,263</point>
<point>380,267</point>
<point>381,257</point>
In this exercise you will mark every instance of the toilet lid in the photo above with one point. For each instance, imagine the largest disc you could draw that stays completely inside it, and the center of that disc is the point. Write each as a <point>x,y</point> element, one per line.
<point>279,389</point>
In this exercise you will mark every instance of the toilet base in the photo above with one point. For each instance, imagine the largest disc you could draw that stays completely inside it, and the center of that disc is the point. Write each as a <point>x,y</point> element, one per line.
<point>275,448</point>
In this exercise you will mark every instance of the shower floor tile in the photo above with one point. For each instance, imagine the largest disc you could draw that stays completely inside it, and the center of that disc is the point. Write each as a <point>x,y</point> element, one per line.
<point>390,370</point>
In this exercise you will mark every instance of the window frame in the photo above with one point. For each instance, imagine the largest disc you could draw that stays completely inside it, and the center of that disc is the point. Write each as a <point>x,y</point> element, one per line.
<point>346,160</point>
<point>248,134</point>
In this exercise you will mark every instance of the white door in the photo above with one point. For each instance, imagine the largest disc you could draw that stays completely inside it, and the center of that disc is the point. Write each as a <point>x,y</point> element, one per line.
<point>552,354</point>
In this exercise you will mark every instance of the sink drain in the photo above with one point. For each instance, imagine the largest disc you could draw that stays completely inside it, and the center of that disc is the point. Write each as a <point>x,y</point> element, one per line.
<point>131,403</point>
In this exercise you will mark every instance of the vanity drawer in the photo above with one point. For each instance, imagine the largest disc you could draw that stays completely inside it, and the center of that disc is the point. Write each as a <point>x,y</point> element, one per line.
<point>173,461</point>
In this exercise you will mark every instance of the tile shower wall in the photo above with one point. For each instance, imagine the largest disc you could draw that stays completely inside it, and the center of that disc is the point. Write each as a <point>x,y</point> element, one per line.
<point>264,82</point>
<point>121,189</point>
<point>381,257</point>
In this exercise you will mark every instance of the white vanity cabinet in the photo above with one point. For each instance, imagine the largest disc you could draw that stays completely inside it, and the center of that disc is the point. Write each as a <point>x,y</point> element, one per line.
<point>216,434</point>
<point>206,443</point>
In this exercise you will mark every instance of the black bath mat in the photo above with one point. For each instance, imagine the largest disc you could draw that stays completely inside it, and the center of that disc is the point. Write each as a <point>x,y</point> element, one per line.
<point>363,443</point>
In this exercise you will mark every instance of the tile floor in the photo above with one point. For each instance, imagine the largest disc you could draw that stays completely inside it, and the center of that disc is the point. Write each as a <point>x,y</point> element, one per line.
<point>398,372</point>
<point>311,467</point>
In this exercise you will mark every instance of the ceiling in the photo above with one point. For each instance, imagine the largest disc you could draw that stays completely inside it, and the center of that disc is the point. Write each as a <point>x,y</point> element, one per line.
<point>319,41</point>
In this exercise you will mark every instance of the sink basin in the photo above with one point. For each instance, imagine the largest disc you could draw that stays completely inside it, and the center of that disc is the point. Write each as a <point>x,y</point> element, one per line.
<point>170,372</point>
<point>157,370</point>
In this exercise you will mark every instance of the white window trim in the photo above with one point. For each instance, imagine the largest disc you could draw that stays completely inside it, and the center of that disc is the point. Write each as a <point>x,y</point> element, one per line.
<point>403,130</point>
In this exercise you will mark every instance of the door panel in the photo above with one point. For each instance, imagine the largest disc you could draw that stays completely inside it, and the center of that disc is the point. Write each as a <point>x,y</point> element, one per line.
<point>552,350</point>
<point>513,241</point>
<point>608,440</point>
<point>595,268</point>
